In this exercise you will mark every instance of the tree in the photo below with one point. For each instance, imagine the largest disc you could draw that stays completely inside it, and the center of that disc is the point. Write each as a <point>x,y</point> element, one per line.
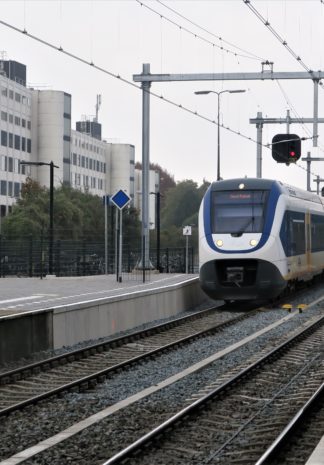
<point>182,203</point>
<point>166,179</point>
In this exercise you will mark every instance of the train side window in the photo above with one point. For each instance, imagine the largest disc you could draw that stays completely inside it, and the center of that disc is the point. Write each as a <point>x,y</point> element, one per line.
<point>292,233</point>
<point>317,233</point>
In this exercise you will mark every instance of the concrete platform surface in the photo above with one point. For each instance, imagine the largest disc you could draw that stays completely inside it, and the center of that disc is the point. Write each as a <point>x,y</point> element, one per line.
<point>20,295</point>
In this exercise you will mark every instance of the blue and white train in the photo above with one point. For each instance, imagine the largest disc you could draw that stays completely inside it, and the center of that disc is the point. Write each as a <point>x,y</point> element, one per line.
<point>258,237</point>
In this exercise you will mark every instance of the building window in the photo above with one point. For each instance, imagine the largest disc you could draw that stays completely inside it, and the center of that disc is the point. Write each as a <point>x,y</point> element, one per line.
<point>4,91</point>
<point>17,121</point>
<point>11,118</point>
<point>10,165</point>
<point>74,159</point>
<point>90,163</point>
<point>10,140</point>
<point>4,116</point>
<point>28,125</point>
<point>17,97</point>
<point>87,162</point>
<point>23,144</point>
<point>4,138</point>
<point>23,122</point>
<point>10,188</point>
<point>98,168</point>
<point>3,187</point>
<point>83,161</point>
<point>11,94</point>
<point>17,142</point>
<point>16,189</point>
<point>79,160</point>
<point>28,145</point>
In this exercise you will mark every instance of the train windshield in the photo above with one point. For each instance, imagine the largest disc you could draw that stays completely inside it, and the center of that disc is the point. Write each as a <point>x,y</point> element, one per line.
<point>238,212</point>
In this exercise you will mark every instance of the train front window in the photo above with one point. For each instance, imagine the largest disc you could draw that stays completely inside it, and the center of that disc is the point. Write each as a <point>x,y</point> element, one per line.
<point>238,212</point>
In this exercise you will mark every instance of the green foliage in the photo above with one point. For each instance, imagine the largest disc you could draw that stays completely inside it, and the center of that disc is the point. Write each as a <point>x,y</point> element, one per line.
<point>181,209</point>
<point>182,202</point>
<point>79,215</point>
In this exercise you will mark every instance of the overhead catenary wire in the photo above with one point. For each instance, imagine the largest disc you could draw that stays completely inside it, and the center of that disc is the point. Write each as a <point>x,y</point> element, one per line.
<point>128,82</point>
<point>210,33</point>
<point>280,39</point>
<point>220,47</point>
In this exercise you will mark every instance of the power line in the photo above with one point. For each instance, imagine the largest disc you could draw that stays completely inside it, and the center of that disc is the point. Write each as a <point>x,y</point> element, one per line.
<point>208,32</point>
<point>182,28</point>
<point>281,40</point>
<point>126,81</point>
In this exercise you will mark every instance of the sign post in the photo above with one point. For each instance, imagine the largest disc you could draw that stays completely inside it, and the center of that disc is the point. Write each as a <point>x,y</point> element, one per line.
<point>120,199</point>
<point>187,232</point>
<point>105,200</point>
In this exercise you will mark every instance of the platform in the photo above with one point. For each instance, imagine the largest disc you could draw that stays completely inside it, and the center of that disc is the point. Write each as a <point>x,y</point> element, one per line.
<point>50,313</point>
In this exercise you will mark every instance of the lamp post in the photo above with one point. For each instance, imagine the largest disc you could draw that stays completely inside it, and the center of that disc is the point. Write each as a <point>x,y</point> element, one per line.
<point>205,92</point>
<point>51,208</point>
<point>158,228</point>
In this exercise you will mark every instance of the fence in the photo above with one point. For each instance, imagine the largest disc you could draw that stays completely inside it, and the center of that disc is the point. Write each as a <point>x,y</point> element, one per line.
<point>30,257</point>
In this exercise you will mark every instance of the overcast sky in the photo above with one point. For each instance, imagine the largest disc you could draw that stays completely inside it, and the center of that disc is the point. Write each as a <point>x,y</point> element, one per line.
<point>120,36</point>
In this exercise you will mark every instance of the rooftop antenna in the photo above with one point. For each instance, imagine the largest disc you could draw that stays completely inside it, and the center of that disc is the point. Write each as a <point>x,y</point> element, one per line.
<point>98,104</point>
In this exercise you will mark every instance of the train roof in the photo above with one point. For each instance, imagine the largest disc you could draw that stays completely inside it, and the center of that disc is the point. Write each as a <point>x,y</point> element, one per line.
<point>266,184</point>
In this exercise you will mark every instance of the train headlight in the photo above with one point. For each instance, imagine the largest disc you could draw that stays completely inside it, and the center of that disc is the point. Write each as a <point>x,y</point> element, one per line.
<point>219,243</point>
<point>241,186</point>
<point>253,242</point>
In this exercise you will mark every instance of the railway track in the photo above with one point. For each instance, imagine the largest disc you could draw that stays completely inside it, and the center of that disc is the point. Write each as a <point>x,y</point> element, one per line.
<point>84,368</point>
<point>297,441</point>
<point>242,415</point>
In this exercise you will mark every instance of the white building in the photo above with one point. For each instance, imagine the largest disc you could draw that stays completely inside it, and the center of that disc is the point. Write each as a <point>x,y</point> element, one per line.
<point>35,126</point>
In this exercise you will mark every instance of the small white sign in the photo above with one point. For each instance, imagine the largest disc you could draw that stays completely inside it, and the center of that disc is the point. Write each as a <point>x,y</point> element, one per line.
<point>186,231</point>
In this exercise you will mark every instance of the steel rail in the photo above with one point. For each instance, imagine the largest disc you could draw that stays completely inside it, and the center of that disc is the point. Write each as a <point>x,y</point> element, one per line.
<point>99,376</point>
<point>192,408</point>
<point>274,448</point>
<point>70,357</point>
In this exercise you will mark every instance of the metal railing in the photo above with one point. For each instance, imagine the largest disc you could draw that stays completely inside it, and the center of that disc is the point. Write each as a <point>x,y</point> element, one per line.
<point>29,257</point>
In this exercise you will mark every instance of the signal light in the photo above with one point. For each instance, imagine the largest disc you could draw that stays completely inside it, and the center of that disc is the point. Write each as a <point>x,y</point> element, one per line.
<point>286,148</point>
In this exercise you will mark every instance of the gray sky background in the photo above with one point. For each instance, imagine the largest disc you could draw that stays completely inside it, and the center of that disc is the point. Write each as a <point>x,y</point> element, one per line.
<point>120,36</point>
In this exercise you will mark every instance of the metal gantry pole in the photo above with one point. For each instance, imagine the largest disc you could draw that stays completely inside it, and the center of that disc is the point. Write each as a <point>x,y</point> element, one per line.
<point>218,137</point>
<point>51,225</point>
<point>259,127</point>
<point>308,161</point>
<point>315,124</point>
<point>158,229</point>
<point>145,168</point>
<point>106,234</point>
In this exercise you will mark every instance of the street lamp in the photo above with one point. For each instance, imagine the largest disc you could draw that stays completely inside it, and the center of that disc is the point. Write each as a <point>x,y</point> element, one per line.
<point>51,209</point>
<point>157,215</point>
<point>205,92</point>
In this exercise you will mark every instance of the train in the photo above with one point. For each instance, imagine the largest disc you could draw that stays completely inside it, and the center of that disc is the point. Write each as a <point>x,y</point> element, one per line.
<point>258,238</point>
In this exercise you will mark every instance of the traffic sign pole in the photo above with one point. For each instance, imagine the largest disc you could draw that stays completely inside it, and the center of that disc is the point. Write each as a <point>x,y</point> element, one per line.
<point>120,199</point>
